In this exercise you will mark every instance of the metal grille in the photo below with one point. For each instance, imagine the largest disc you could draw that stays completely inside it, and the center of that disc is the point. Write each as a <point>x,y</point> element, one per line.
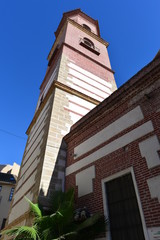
<point>124,216</point>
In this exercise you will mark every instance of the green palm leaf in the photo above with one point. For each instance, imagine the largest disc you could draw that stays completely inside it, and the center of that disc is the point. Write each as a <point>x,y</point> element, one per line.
<point>10,232</point>
<point>23,232</point>
<point>34,208</point>
<point>60,224</point>
<point>46,234</point>
<point>56,214</point>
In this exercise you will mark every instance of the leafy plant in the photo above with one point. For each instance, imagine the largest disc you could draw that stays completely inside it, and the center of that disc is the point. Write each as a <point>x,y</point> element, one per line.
<point>59,224</point>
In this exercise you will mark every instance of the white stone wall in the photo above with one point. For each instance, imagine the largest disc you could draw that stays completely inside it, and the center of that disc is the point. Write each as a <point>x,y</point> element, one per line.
<point>30,165</point>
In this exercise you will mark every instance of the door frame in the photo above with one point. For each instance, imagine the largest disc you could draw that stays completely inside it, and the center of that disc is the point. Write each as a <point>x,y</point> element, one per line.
<point>104,195</point>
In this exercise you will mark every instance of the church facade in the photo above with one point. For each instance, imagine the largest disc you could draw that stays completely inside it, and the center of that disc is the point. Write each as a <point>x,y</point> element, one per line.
<point>88,135</point>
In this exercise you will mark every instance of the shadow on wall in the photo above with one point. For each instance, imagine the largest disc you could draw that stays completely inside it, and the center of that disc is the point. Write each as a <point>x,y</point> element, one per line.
<point>58,177</point>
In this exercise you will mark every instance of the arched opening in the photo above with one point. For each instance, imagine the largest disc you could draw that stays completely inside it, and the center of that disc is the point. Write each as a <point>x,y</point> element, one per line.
<point>88,42</point>
<point>86,27</point>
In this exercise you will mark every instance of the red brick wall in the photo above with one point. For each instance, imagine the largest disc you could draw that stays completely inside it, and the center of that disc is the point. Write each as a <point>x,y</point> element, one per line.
<point>73,36</point>
<point>146,95</point>
<point>89,65</point>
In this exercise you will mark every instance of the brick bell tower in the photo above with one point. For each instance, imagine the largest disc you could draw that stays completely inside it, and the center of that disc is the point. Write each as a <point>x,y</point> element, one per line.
<point>78,77</point>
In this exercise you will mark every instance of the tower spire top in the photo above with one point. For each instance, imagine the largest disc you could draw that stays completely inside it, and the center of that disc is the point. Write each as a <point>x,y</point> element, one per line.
<point>75,12</point>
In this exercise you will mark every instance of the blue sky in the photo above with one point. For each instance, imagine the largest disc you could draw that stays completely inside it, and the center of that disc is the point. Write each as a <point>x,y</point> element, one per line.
<point>26,35</point>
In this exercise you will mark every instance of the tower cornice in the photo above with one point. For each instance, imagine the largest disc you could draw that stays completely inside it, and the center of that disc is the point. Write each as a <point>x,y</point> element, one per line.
<point>98,38</point>
<point>78,11</point>
<point>65,88</point>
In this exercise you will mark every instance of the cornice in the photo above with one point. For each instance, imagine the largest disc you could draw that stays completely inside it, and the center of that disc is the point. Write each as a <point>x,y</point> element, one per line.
<point>75,92</point>
<point>37,113</point>
<point>73,13</point>
<point>91,19</point>
<point>7,183</point>
<point>101,40</point>
<point>65,88</point>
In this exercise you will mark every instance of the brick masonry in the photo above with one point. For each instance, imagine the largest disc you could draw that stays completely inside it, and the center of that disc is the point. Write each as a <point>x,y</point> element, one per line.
<point>135,147</point>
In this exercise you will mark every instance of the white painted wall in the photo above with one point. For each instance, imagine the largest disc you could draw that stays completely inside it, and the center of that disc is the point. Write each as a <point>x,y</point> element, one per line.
<point>90,75</point>
<point>23,206</point>
<point>77,105</point>
<point>122,123</point>
<point>149,149</point>
<point>88,83</point>
<point>154,187</point>
<point>112,146</point>
<point>84,181</point>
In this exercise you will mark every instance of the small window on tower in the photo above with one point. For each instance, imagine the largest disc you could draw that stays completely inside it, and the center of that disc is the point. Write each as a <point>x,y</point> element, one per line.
<point>86,27</point>
<point>88,42</point>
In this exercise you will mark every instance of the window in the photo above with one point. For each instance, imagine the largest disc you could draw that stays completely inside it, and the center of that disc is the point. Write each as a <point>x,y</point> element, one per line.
<point>86,27</point>
<point>87,43</point>
<point>0,188</point>
<point>12,179</point>
<point>11,194</point>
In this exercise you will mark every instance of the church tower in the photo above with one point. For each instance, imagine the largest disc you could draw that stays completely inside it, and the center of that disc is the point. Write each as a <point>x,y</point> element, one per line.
<point>78,77</point>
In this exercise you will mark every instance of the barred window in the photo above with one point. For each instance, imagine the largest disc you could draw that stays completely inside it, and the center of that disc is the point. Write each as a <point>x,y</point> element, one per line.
<point>88,42</point>
<point>11,194</point>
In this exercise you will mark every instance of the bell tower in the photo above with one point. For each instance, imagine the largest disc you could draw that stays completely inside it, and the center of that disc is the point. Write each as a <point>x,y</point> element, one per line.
<point>78,77</point>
